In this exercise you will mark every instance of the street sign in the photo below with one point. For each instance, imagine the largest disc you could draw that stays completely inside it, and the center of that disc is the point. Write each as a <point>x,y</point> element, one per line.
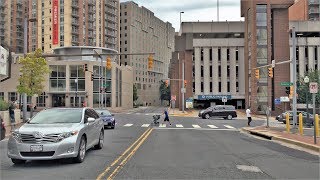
<point>224,99</point>
<point>313,86</point>
<point>277,101</point>
<point>183,90</point>
<point>286,83</point>
<point>284,99</point>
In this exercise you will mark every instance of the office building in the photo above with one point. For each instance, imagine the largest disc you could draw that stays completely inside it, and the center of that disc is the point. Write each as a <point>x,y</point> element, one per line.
<point>142,31</point>
<point>305,10</point>
<point>213,56</point>
<point>266,39</point>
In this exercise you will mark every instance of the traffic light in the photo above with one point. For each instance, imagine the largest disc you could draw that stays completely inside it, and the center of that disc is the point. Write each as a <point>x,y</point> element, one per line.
<point>92,76</point>
<point>167,83</point>
<point>257,73</point>
<point>108,63</point>
<point>85,67</point>
<point>270,70</point>
<point>288,90</point>
<point>185,83</point>
<point>150,62</point>
<point>291,91</point>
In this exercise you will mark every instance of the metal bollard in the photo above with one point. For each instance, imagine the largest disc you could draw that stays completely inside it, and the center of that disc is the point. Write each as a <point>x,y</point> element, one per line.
<point>287,123</point>
<point>316,124</point>
<point>300,123</point>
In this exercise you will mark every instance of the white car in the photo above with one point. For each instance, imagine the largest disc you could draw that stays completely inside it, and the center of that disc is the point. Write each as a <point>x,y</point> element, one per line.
<point>57,133</point>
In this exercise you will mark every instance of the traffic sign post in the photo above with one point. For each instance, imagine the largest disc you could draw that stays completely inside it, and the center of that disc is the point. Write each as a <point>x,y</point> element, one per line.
<point>224,99</point>
<point>288,84</point>
<point>313,87</point>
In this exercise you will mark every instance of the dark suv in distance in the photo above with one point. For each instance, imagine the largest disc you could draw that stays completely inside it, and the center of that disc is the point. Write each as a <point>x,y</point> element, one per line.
<point>221,111</point>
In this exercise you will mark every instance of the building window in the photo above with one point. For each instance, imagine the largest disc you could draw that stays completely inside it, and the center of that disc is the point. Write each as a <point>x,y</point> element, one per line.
<point>41,100</point>
<point>210,54</point>
<point>125,13</point>
<point>228,86</point>
<point>201,71</point>
<point>237,55</point>
<point>306,51</point>
<point>237,70</point>
<point>219,71</point>
<point>201,54</point>
<point>193,86</point>
<point>77,73</point>
<point>237,86</point>
<point>316,53</point>
<point>12,96</point>
<point>220,86</point>
<point>58,78</point>
<point>228,54</point>
<point>297,53</point>
<point>2,95</point>
<point>210,71</point>
<point>201,86</point>
<point>219,54</point>
<point>125,42</point>
<point>125,28</point>
<point>228,71</point>
<point>125,20</point>
<point>210,86</point>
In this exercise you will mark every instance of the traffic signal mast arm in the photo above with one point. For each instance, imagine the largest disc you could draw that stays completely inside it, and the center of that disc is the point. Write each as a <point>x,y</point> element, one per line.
<point>283,62</point>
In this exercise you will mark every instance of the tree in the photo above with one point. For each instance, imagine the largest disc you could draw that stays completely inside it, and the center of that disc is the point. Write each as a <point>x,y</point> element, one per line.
<point>33,74</point>
<point>165,93</point>
<point>303,88</point>
<point>135,94</point>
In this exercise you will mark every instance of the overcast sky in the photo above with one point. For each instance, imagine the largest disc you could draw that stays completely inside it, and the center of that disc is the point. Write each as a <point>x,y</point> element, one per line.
<point>194,10</point>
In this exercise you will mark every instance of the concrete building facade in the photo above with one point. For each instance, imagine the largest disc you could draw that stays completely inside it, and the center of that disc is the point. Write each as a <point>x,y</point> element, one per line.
<point>60,23</point>
<point>307,47</point>
<point>305,10</point>
<point>213,53</point>
<point>266,39</point>
<point>68,85</point>
<point>142,31</point>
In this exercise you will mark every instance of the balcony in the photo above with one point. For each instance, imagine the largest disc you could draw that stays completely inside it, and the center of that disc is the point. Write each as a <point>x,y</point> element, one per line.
<point>314,2</point>
<point>314,11</point>
<point>75,4</point>
<point>111,12</point>
<point>111,4</point>
<point>75,23</point>
<point>90,3</point>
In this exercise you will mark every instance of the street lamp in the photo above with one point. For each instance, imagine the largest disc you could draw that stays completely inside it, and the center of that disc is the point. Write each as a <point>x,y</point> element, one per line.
<point>77,104</point>
<point>306,81</point>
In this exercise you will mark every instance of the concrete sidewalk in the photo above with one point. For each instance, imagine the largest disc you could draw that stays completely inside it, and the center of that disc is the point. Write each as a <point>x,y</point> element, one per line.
<point>186,113</point>
<point>279,134</point>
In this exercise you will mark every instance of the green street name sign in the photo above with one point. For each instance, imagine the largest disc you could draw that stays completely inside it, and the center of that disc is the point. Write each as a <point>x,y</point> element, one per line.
<point>286,83</point>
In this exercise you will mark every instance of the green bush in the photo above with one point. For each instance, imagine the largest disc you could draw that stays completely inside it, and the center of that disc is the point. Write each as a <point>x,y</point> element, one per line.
<point>3,105</point>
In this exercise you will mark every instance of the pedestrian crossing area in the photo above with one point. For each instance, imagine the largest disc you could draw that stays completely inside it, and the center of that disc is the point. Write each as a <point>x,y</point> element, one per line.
<point>177,126</point>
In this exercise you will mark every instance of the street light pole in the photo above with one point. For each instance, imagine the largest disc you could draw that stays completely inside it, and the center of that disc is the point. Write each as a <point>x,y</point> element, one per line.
<point>77,104</point>
<point>306,80</point>
<point>180,18</point>
<point>294,78</point>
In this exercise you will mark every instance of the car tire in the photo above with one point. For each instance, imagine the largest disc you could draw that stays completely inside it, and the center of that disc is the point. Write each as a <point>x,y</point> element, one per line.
<point>101,139</point>
<point>229,117</point>
<point>207,116</point>
<point>81,151</point>
<point>18,161</point>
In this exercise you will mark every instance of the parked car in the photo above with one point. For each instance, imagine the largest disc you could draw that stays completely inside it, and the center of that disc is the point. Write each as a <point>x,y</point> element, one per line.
<point>57,133</point>
<point>107,118</point>
<point>222,111</point>
<point>282,117</point>
<point>3,129</point>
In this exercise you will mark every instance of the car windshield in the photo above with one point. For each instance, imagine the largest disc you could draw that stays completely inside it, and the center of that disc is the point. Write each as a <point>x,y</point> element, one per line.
<point>103,112</point>
<point>52,116</point>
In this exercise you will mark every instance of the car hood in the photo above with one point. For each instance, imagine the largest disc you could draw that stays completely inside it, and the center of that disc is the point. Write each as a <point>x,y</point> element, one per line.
<point>48,128</point>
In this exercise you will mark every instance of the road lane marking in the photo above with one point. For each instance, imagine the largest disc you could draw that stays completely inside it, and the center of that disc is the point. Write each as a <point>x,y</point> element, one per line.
<point>128,125</point>
<point>123,154</point>
<point>145,125</point>
<point>147,114</point>
<point>162,125</point>
<point>197,129</point>
<point>196,126</point>
<point>179,125</point>
<point>120,166</point>
<point>249,168</point>
<point>213,126</point>
<point>229,127</point>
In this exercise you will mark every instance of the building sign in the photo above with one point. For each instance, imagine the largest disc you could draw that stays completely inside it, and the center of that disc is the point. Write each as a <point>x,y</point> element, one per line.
<point>55,22</point>
<point>208,97</point>
<point>3,61</point>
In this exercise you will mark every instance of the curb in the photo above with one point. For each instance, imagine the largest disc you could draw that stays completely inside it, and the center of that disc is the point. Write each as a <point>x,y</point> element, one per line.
<point>271,136</point>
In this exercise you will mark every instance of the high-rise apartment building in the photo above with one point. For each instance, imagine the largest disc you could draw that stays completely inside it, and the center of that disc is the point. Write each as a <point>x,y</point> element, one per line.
<point>305,10</point>
<point>12,13</point>
<point>61,23</point>
<point>141,31</point>
<point>266,39</point>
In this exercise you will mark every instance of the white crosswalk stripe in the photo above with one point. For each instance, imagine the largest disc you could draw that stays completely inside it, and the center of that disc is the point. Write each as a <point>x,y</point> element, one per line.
<point>128,125</point>
<point>213,126</point>
<point>196,126</point>
<point>147,114</point>
<point>129,113</point>
<point>162,125</point>
<point>229,127</point>
<point>179,125</point>
<point>145,125</point>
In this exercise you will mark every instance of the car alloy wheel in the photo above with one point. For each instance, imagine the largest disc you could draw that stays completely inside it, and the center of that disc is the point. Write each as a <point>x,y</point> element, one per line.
<point>101,140</point>
<point>81,151</point>
<point>229,117</point>
<point>207,116</point>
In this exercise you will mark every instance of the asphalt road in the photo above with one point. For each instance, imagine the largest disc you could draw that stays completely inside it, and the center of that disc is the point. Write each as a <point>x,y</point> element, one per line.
<point>189,149</point>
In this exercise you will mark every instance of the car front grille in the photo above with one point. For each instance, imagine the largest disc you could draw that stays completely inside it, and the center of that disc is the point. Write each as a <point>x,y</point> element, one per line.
<point>37,154</point>
<point>49,138</point>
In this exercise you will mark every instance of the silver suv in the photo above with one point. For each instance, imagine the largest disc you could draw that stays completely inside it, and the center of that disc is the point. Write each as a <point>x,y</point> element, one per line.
<point>57,133</point>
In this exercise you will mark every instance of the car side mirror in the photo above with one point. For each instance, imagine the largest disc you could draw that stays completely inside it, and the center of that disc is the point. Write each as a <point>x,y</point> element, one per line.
<point>90,120</point>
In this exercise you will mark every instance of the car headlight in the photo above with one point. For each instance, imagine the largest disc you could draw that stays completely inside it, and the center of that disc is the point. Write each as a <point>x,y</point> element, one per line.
<point>16,136</point>
<point>66,135</point>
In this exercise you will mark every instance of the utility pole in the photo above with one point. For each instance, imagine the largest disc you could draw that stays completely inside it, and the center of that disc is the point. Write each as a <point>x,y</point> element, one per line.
<point>183,88</point>
<point>294,64</point>
<point>218,10</point>
<point>25,51</point>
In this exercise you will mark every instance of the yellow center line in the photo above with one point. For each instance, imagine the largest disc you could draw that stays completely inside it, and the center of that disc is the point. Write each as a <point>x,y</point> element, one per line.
<point>127,150</point>
<point>114,173</point>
